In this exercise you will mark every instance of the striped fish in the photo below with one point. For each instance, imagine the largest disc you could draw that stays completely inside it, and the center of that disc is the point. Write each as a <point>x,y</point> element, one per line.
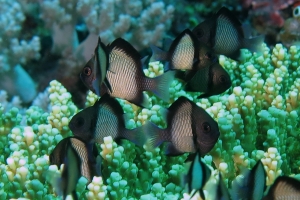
<point>185,53</point>
<point>79,159</point>
<point>197,176</point>
<point>212,80</point>
<point>224,33</point>
<point>189,129</point>
<point>284,187</point>
<point>94,72</point>
<point>252,185</point>
<point>104,118</point>
<point>126,78</point>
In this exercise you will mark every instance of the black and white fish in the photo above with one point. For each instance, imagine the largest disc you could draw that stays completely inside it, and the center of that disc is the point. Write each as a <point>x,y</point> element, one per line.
<point>284,187</point>
<point>104,118</point>
<point>251,185</point>
<point>189,129</point>
<point>185,53</point>
<point>79,159</point>
<point>197,176</point>
<point>224,33</point>
<point>127,79</point>
<point>221,191</point>
<point>212,80</point>
<point>94,72</point>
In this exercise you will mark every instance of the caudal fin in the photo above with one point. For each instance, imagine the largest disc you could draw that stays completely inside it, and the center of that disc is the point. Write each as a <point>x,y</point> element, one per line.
<point>137,135</point>
<point>141,100</point>
<point>158,54</point>
<point>148,134</point>
<point>154,135</point>
<point>161,84</point>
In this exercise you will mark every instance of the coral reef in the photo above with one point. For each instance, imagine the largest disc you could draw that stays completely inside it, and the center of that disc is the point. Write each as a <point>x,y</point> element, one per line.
<point>62,35</point>
<point>289,34</point>
<point>15,52</point>
<point>257,117</point>
<point>268,10</point>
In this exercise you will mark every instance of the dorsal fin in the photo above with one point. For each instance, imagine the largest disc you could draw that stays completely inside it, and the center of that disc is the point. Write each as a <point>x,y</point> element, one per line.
<point>125,51</point>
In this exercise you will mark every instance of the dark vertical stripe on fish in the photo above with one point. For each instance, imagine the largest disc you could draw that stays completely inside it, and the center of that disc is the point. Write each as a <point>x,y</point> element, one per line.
<point>82,152</point>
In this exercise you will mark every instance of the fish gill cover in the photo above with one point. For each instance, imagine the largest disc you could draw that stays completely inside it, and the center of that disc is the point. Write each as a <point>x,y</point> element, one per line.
<point>257,118</point>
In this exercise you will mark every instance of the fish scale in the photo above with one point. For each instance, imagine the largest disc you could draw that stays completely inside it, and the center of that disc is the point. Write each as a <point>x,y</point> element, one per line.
<point>184,54</point>
<point>82,152</point>
<point>124,66</point>
<point>106,116</point>
<point>224,29</point>
<point>181,128</point>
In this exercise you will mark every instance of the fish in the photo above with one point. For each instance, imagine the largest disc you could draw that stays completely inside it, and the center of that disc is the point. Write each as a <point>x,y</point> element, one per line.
<point>93,74</point>
<point>127,79</point>
<point>186,52</point>
<point>212,80</point>
<point>79,159</point>
<point>284,187</point>
<point>197,176</point>
<point>105,118</point>
<point>225,34</point>
<point>221,190</point>
<point>189,129</point>
<point>252,185</point>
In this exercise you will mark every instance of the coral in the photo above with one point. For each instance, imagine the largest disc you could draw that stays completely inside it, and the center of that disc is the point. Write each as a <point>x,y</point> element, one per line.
<point>108,18</point>
<point>15,52</point>
<point>62,107</point>
<point>268,10</point>
<point>289,34</point>
<point>257,117</point>
<point>48,31</point>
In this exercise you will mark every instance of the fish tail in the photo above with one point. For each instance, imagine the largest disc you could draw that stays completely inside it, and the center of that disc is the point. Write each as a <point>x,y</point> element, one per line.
<point>137,136</point>
<point>161,85</point>
<point>141,100</point>
<point>254,44</point>
<point>154,135</point>
<point>158,54</point>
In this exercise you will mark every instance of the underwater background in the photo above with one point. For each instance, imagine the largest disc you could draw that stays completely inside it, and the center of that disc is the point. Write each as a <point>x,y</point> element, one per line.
<point>44,45</point>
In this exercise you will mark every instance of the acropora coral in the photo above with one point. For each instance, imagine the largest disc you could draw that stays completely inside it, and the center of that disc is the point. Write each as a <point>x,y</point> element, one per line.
<point>47,31</point>
<point>257,118</point>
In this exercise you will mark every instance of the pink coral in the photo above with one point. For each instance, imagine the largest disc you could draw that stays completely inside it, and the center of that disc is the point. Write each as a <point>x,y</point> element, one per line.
<point>268,11</point>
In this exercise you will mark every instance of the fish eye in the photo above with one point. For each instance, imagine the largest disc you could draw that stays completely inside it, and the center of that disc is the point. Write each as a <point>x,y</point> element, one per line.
<point>206,127</point>
<point>87,71</point>
<point>296,11</point>
<point>222,79</point>
<point>79,121</point>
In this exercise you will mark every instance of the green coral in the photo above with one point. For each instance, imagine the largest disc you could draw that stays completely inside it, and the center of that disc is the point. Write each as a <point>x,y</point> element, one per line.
<point>257,117</point>
<point>130,172</point>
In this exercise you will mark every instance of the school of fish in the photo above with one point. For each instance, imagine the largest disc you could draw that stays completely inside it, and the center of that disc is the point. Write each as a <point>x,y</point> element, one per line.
<point>116,70</point>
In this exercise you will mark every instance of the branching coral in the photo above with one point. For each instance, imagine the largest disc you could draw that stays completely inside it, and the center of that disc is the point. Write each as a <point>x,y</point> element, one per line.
<point>109,19</point>
<point>140,22</point>
<point>15,52</point>
<point>257,117</point>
